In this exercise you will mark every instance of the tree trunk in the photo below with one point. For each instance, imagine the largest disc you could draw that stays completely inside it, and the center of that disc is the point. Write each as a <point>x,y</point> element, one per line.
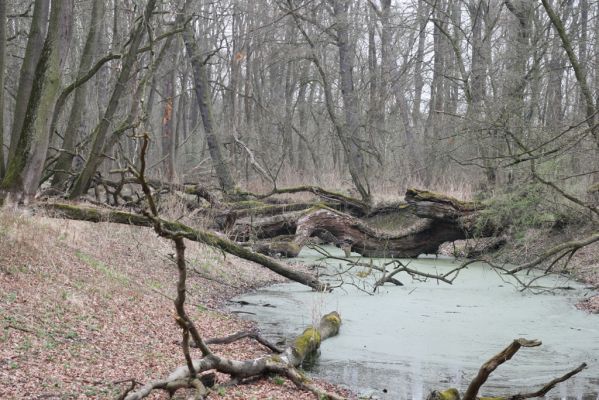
<point>168,139</point>
<point>100,133</point>
<point>351,140</point>
<point>63,164</point>
<point>35,43</point>
<point>444,219</point>
<point>203,95</point>
<point>419,62</point>
<point>2,67</point>
<point>26,166</point>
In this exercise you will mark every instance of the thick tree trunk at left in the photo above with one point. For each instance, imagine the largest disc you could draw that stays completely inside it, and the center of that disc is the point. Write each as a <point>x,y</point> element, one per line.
<point>35,43</point>
<point>26,166</point>
<point>2,65</point>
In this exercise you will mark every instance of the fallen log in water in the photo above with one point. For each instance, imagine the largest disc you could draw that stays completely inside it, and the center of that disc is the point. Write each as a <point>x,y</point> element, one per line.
<point>286,363</point>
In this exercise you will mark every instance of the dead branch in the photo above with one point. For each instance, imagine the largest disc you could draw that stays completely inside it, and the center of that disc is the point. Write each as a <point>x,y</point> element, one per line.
<point>487,368</point>
<point>96,214</point>
<point>187,377</point>
<point>559,251</point>
<point>242,335</point>
<point>550,385</point>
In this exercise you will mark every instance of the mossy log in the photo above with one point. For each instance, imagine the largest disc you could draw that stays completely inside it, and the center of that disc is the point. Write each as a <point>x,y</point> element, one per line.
<point>302,347</point>
<point>94,214</point>
<point>438,206</point>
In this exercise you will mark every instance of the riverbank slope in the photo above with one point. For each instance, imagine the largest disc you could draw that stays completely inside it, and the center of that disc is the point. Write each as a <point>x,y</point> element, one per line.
<point>87,308</point>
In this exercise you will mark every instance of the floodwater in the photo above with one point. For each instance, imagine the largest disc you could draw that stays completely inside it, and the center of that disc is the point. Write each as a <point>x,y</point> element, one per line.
<point>405,341</point>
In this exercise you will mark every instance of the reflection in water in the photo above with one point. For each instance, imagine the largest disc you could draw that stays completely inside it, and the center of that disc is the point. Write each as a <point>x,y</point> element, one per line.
<point>405,341</point>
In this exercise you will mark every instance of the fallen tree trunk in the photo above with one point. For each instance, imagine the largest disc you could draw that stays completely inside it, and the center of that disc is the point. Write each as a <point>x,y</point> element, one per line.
<point>93,214</point>
<point>285,363</point>
<point>442,219</point>
<point>422,238</point>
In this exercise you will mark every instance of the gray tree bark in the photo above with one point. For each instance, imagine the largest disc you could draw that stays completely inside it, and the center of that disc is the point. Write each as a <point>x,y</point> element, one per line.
<point>35,43</point>
<point>2,68</point>
<point>63,164</point>
<point>100,133</point>
<point>26,166</point>
<point>202,89</point>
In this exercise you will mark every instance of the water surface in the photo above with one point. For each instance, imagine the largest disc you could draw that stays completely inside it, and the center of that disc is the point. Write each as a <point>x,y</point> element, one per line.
<point>405,341</point>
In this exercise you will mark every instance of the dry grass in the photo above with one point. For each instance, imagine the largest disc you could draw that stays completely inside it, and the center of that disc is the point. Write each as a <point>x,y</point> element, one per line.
<point>84,306</point>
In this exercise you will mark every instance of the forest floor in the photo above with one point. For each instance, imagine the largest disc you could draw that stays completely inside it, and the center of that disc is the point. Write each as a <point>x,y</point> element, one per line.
<point>86,308</point>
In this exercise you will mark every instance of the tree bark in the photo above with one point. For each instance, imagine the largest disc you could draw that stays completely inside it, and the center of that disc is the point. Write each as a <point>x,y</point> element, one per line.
<point>26,166</point>
<point>100,133</point>
<point>35,43</point>
<point>63,164</point>
<point>351,140</point>
<point>2,67</point>
<point>202,90</point>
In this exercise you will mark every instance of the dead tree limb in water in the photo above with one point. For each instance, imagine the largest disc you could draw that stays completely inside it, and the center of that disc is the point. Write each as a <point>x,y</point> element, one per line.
<point>491,365</point>
<point>424,237</point>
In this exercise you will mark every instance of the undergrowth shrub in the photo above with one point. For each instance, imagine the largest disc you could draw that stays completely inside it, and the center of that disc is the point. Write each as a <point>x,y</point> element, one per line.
<point>528,207</point>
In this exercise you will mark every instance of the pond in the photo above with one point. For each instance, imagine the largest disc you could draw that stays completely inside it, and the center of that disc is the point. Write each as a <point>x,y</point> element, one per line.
<point>406,340</point>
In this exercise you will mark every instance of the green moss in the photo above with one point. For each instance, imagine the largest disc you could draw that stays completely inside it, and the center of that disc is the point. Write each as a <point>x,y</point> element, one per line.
<point>449,394</point>
<point>244,204</point>
<point>333,318</point>
<point>307,342</point>
<point>276,358</point>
